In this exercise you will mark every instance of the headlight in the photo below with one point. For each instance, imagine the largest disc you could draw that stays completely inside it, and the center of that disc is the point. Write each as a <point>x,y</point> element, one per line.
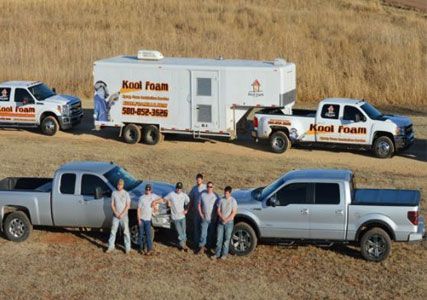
<point>400,131</point>
<point>65,110</point>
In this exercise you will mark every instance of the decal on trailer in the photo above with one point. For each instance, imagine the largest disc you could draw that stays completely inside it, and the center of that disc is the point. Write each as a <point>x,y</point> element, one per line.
<point>256,89</point>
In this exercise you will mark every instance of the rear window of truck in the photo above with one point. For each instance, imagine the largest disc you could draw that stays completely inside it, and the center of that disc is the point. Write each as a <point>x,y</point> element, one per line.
<point>330,111</point>
<point>327,193</point>
<point>68,184</point>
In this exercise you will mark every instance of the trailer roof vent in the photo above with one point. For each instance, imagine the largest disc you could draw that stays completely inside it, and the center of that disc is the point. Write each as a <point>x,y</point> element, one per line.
<point>279,62</point>
<point>149,55</point>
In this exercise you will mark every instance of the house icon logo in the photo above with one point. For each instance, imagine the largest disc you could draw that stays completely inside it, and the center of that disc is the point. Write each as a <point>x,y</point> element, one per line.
<point>256,89</point>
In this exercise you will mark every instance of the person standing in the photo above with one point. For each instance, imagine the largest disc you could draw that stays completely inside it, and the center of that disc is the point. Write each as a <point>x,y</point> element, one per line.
<point>178,201</point>
<point>227,209</point>
<point>194,215</point>
<point>120,204</point>
<point>207,213</point>
<point>146,204</point>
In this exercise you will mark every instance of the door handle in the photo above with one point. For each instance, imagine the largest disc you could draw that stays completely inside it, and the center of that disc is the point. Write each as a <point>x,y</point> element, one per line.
<point>305,211</point>
<point>256,208</point>
<point>339,212</point>
<point>81,201</point>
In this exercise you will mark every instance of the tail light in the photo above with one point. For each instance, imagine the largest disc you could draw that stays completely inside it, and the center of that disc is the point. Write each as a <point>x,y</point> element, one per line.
<point>255,122</point>
<point>413,217</point>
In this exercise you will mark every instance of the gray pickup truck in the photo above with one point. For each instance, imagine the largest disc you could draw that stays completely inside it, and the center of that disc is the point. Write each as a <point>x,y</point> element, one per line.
<point>323,206</point>
<point>79,195</point>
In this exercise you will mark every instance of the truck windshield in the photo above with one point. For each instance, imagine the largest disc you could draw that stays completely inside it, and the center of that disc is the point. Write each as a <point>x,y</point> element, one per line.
<point>371,111</point>
<point>41,91</point>
<point>117,173</point>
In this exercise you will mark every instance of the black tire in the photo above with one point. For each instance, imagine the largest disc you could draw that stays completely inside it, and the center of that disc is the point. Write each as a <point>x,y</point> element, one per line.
<point>383,147</point>
<point>243,239</point>
<point>134,233</point>
<point>17,227</point>
<point>279,142</point>
<point>49,126</point>
<point>132,134</point>
<point>152,135</point>
<point>375,245</point>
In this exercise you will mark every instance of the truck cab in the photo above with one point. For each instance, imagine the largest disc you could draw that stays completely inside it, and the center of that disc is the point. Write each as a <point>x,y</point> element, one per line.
<point>29,104</point>
<point>337,122</point>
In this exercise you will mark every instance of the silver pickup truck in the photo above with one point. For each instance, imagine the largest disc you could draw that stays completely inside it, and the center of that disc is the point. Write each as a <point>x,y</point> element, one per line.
<point>79,195</point>
<point>323,206</point>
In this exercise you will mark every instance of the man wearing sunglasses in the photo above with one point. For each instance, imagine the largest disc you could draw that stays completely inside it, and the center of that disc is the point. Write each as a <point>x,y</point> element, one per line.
<point>194,215</point>
<point>207,203</point>
<point>178,201</point>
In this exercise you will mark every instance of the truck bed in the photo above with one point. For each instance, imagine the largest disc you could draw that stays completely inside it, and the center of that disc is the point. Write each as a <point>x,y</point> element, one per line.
<point>26,184</point>
<point>386,197</point>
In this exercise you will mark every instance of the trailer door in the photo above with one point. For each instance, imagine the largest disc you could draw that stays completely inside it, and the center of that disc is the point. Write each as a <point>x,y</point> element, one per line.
<point>204,100</point>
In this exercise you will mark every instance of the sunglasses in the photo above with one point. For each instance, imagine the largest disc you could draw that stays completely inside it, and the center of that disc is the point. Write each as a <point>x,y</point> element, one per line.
<point>210,186</point>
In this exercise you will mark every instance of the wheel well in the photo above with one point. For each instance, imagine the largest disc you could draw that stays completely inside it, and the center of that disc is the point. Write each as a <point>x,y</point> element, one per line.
<point>276,129</point>
<point>369,225</point>
<point>7,210</point>
<point>378,134</point>
<point>46,114</point>
<point>249,221</point>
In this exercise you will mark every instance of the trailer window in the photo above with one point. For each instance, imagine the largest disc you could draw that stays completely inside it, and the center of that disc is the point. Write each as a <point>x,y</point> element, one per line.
<point>68,184</point>
<point>91,182</point>
<point>4,94</point>
<point>330,111</point>
<point>204,113</point>
<point>204,87</point>
<point>327,193</point>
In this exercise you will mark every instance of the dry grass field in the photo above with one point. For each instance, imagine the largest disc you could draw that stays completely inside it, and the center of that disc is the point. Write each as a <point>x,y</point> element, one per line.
<point>354,48</point>
<point>70,264</point>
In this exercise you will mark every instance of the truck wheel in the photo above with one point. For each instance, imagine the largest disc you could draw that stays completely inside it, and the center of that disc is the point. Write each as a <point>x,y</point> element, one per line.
<point>152,135</point>
<point>243,239</point>
<point>49,126</point>
<point>375,245</point>
<point>383,147</point>
<point>17,226</point>
<point>279,142</point>
<point>134,234</point>
<point>132,134</point>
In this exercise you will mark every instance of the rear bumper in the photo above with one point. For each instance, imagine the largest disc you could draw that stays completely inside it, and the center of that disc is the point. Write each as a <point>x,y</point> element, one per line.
<point>420,234</point>
<point>404,141</point>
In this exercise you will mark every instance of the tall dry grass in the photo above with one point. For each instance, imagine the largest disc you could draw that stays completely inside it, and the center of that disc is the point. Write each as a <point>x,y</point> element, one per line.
<point>351,48</point>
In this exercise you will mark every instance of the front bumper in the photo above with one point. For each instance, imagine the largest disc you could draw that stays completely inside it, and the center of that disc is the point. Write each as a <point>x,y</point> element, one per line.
<point>420,234</point>
<point>403,141</point>
<point>68,122</point>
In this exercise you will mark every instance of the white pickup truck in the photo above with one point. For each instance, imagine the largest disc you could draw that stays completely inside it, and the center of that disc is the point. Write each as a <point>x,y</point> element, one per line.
<point>341,122</point>
<point>32,104</point>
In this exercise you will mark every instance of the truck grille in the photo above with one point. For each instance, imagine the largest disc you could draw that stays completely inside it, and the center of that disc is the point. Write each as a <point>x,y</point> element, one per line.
<point>408,130</point>
<point>76,108</point>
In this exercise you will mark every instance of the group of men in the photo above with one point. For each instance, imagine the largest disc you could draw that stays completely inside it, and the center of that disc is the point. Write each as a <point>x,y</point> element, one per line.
<point>206,214</point>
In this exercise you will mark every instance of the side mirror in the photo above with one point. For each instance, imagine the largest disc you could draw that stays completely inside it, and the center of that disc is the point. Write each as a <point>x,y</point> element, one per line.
<point>99,193</point>
<point>54,90</point>
<point>272,201</point>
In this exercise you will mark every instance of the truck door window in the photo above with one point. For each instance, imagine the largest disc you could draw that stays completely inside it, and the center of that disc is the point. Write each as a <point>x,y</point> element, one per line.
<point>295,193</point>
<point>330,111</point>
<point>352,113</point>
<point>23,96</point>
<point>204,87</point>
<point>90,183</point>
<point>4,94</point>
<point>68,184</point>
<point>327,193</point>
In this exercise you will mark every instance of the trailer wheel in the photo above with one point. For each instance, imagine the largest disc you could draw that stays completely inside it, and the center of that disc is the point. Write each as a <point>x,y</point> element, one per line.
<point>375,245</point>
<point>279,142</point>
<point>49,126</point>
<point>17,227</point>
<point>132,134</point>
<point>152,135</point>
<point>383,147</point>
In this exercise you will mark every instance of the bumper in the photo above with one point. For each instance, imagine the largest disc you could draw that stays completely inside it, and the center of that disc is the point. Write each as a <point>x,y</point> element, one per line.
<point>68,122</point>
<point>420,234</point>
<point>404,141</point>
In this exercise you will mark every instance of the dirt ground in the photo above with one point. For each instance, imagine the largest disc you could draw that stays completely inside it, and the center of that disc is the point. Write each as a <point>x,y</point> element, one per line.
<point>71,264</point>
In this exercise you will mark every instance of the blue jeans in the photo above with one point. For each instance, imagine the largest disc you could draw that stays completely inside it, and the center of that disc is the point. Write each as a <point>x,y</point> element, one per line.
<point>206,233</point>
<point>196,228</point>
<point>180,229</point>
<point>223,239</point>
<point>124,223</point>
<point>144,237</point>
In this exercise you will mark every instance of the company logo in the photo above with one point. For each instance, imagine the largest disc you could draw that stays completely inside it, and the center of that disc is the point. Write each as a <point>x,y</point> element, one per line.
<point>148,86</point>
<point>256,89</point>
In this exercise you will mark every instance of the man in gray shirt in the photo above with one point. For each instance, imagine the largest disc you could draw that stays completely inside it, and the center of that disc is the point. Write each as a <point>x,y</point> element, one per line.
<point>120,204</point>
<point>227,209</point>
<point>194,215</point>
<point>207,213</point>
<point>178,201</point>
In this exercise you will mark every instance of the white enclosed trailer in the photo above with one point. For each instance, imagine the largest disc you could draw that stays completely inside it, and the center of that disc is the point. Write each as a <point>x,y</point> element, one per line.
<point>147,95</point>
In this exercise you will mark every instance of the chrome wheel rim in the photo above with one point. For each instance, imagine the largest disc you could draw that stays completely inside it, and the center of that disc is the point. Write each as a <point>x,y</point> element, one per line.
<point>49,126</point>
<point>134,234</point>
<point>383,148</point>
<point>17,228</point>
<point>278,143</point>
<point>241,240</point>
<point>376,246</point>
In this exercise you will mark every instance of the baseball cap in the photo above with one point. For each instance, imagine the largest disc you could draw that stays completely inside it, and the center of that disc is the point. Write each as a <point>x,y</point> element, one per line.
<point>179,185</point>
<point>148,187</point>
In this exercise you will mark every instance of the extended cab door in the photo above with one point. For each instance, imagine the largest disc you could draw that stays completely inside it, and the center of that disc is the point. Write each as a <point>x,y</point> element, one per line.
<point>327,123</point>
<point>354,129</point>
<point>286,214</point>
<point>328,215</point>
<point>6,109</point>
